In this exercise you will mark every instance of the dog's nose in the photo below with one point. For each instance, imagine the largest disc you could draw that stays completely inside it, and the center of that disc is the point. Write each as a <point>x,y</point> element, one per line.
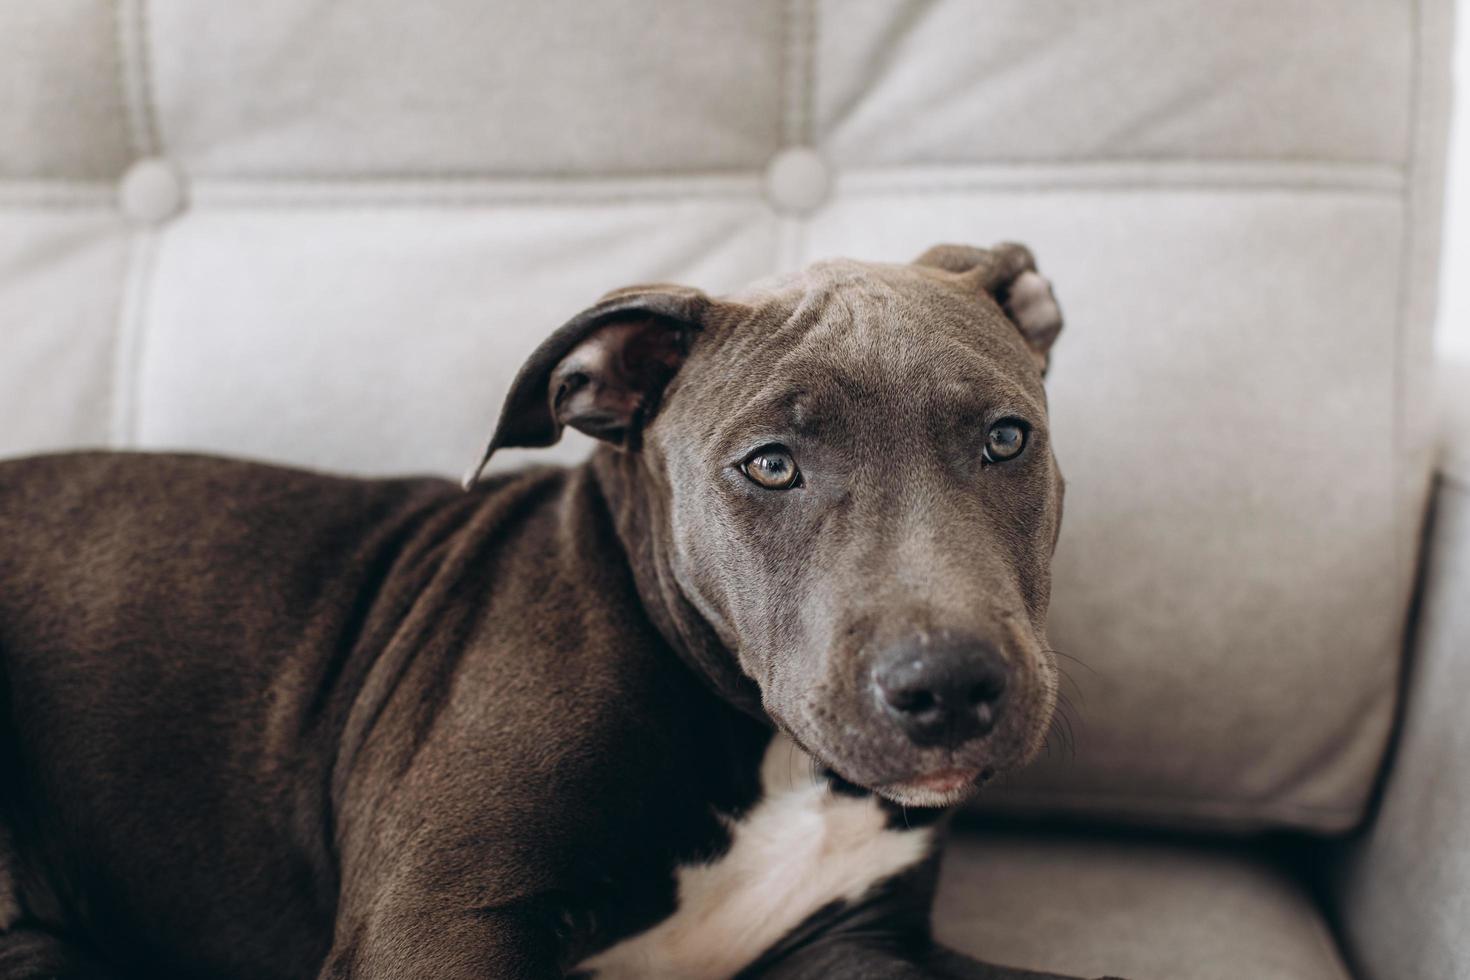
<point>946,692</point>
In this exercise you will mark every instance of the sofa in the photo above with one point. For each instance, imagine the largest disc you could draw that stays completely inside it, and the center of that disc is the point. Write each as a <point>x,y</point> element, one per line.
<point>326,235</point>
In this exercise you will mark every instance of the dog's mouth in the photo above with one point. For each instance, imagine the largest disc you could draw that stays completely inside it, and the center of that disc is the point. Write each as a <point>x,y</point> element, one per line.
<point>940,788</point>
<point>917,776</point>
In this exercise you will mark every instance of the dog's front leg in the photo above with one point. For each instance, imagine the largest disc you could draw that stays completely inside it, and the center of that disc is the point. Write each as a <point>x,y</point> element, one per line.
<point>417,937</point>
<point>30,953</point>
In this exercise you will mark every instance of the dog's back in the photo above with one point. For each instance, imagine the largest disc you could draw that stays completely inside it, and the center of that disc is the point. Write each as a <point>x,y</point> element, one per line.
<point>206,666</point>
<point>191,663</point>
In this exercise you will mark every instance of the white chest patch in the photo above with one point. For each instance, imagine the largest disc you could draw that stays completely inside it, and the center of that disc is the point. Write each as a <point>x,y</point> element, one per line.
<point>801,847</point>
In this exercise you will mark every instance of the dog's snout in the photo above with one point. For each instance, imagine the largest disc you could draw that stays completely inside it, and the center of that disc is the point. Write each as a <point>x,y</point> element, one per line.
<point>942,693</point>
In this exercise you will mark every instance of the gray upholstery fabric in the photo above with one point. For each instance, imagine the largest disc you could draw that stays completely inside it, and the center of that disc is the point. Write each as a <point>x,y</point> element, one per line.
<point>1404,892</point>
<point>61,282</point>
<point>1146,79</point>
<point>553,87</point>
<point>63,106</point>
<point>1087,906</point>
<point>378,213</point>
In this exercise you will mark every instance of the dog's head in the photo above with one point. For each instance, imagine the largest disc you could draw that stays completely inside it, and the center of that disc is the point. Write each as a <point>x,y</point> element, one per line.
<point>849,481</point>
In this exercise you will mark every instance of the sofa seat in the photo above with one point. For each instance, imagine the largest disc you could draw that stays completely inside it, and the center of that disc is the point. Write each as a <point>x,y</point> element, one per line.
<point>1143,908</point>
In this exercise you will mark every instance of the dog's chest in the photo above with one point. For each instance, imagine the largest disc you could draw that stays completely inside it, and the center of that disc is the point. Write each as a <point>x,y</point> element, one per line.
<point>799,849</point>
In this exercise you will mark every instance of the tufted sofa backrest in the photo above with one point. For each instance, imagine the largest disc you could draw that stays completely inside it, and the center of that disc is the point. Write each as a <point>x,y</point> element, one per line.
<point>326,234</point>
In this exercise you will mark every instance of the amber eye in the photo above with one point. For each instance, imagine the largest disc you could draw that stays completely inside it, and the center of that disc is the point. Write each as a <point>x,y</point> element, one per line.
<point>772,467</point>
<point>1005,440</point>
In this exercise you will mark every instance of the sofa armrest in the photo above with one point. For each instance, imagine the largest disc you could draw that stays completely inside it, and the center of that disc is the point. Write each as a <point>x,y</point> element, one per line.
<point>1403,898</point>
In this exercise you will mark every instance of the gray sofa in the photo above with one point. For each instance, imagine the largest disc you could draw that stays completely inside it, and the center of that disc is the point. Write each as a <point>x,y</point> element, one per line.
<point>326,234</point>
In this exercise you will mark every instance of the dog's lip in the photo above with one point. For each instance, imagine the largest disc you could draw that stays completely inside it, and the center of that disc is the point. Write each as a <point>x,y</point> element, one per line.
<point>942,781</point>
<point>940,788</point>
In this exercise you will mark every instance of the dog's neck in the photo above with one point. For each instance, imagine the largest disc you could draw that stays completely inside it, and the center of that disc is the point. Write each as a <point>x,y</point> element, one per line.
<point>641,520</point>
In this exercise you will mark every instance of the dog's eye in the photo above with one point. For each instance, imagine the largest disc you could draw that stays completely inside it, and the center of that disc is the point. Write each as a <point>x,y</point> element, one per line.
<point>772,467</point>
<point>1005,440</point>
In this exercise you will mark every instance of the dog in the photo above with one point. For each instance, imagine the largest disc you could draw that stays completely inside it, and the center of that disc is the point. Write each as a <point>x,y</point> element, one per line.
<point>696,708</point>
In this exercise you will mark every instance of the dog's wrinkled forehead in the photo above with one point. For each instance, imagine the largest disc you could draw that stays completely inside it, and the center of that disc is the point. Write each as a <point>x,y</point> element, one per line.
<point>887,320</point>
<point>846,338</point>
<point>957,316</point>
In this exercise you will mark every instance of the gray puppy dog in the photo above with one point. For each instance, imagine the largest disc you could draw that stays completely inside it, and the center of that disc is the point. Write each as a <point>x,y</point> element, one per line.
<point>652,716</point>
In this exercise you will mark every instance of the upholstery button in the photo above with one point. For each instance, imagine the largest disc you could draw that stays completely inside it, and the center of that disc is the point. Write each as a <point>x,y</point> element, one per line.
<point>152,191</point>
<point>798,180</point>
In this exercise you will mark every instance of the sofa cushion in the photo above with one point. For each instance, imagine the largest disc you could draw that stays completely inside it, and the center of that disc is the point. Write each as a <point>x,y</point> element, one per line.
<point>363,221</point>
<point>1089,905</point>
<point>560,87</point>
<point>1404,885</point>
<point>61,285</point>
<point>61,90</point>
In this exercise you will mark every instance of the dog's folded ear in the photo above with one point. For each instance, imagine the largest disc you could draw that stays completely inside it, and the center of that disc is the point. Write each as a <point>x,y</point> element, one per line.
<point>603,372</point>
<point>1008,273</point>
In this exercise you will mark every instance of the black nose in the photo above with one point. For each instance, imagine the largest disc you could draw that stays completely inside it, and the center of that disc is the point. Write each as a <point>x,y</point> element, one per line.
<point>943,692</point>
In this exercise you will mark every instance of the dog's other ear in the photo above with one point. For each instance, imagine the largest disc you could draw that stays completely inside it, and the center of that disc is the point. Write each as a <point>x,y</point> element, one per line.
<point>603,372</point>
<point>1008,273</point>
